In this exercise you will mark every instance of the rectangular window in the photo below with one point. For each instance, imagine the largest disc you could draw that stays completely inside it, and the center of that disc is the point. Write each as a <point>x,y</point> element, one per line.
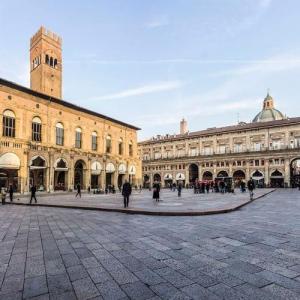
<point>9,127</point>
<point>94,142</point>
<point>238,148</point>
<point>120,148</point>
<point>207,151</point>
<point>108,145</point>
<point>222,149</point>
<point>78,139</point>
<point>257,146</point>
<point>130,150</point>
<point>36,132</point>
<point>59,136</point>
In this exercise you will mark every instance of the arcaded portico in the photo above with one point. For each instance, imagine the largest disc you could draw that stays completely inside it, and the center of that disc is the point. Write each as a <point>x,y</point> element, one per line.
<point>55,144</point>
<point>267,149</point>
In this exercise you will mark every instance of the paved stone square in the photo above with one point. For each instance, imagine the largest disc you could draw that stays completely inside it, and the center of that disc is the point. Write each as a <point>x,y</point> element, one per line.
<point>57,253</point>
<point>142,201</point>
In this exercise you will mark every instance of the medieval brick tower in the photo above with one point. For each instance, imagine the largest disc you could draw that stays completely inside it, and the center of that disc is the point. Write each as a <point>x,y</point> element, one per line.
<point>46,63</point>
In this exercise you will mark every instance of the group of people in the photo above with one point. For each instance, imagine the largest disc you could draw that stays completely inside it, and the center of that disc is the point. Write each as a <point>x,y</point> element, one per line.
<point>10,191</point>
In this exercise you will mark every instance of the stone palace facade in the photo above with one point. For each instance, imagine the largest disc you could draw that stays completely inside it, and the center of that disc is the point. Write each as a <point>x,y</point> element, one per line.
<point>267,149</point>
<point>55,144</point>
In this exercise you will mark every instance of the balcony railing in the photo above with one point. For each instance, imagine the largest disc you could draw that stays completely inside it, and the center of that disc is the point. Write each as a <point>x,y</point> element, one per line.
<point>218,152</point>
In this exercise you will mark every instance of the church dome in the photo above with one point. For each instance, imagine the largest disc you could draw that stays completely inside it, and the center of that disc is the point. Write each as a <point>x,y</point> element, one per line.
<point>268,113</point>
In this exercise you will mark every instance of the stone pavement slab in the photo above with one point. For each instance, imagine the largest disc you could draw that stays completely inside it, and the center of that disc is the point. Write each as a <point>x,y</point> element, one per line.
<point>56,253</point>
<point>142,202</point>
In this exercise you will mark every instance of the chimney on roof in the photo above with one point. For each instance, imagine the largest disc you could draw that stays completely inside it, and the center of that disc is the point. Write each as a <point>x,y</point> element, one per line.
<point>183,126</point>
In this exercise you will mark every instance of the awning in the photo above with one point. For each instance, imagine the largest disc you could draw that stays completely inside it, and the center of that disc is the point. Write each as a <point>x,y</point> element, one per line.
<point>168,176</point>
<point>110,168</point>
<point>132,170</point>
<point>122,169</point>
<point>96,168</point>
<point>9,161</point>
<point>180,176</point>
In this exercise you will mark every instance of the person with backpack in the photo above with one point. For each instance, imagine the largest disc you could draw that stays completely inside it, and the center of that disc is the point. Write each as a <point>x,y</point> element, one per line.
<point>33,192</point>
<point>251,187</point>
<point>126,192</point>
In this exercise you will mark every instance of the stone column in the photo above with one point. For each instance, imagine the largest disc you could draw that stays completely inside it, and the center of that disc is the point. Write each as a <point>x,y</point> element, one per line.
<point>287,179</point>
<point>187,175</point>
<point>200,171</point>
<point>71,175</point>
<point>115,179</point>
<point>215,170</point>
<point>247,170</point>
<point>230,169</point>
<point>151,179</point>
<point>102,179</point>
<point>88,174</point>
<point>50,170</point>
<point>267,179</point>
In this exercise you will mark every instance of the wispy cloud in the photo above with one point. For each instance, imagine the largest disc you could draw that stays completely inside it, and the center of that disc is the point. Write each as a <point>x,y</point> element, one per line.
<point>158,21</point>
<point>219,107</point>
<point>143,90</point>
<point>186,61</point>
<point>265,3</point>
<point>278,63</point>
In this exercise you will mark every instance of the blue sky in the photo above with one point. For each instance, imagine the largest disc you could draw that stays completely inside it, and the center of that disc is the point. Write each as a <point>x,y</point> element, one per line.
<point>150,63</point>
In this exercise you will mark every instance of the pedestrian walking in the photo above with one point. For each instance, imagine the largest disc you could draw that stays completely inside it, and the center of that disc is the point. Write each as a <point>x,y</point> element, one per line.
<point>207,188</point>
<point>11,193</point>
<point>156,190</point>
<point>126,192</point>
<point>33,192</point>
<point>251,187</point>
<point>179,188</point>
<point>3,195</point>
<point>78,187</point>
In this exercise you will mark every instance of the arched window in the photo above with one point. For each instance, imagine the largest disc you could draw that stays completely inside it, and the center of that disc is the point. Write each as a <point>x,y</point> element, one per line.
<point>78,138</point>
<point>94,140</point>
<point>47,59</point>
<point>59,134</point>
<point>51,61</point>
<point>108,144</point>
<point>36,129</point>
<point>55,63</point>
<point>9,123</point>
<point>120,146</point>
<point>130,149</point>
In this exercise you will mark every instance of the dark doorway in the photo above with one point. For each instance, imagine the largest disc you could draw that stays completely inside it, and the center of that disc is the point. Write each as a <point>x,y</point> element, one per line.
<point>193,173</point>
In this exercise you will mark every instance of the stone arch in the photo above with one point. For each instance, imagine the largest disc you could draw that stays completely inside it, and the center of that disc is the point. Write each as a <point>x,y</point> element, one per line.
<point>295,172</point>
<point>79,173</point>
<point>277,178</point>
<point>38,161</point>
<point>207,175</point>
<point>222,173</point>
<point>9,168</point>
<point>239,174</point>
<point>157,177</point>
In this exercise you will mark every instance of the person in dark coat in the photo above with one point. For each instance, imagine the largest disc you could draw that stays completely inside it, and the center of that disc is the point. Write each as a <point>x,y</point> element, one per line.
<point>33,196</point>
<point>78,187</point>
<point>207,187</point>
<point>179,188</point>
<point>126,192</point>
<point>11,193</point>
<point>156,190</point>
<point>251,187</point>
